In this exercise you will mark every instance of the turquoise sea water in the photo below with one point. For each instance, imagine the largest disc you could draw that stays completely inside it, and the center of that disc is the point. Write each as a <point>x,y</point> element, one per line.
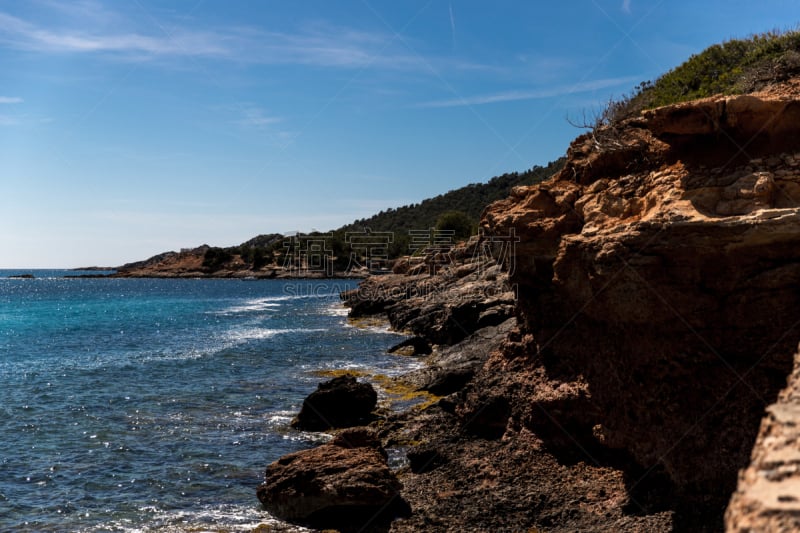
<point>154,405</point>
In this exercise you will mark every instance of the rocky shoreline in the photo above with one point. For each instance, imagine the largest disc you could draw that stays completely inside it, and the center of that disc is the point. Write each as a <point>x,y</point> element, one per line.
<point>612,373</point>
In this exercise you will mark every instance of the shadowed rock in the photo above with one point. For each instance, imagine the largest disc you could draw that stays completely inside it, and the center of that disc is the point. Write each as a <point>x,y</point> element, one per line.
<point>338,403</point>
<point>346,484</point>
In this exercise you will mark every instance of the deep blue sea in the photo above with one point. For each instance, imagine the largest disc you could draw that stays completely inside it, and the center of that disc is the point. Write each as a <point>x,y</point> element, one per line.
<point>155,405</point>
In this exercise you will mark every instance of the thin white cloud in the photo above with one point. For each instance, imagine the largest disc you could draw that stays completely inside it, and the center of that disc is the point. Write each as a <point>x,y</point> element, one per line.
<point>532,94</point>
<point>20,34</point>
<point>626,6</point>
<point>321,45</point>
<point>256,117</point>
<point>11,100</point>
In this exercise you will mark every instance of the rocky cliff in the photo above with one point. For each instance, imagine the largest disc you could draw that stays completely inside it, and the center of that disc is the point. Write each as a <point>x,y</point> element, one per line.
<point>658,299</point>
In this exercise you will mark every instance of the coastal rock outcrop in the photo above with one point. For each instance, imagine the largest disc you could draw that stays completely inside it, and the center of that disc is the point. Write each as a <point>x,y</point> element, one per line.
<point>452,367</point>
<point>345,484</point>
<point>658,308</point>
<point>464,290</point>
<point>338,403</point>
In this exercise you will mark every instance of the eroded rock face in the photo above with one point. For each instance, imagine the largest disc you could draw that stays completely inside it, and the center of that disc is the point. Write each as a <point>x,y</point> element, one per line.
<point>760,123</point>
<point>345,484</point>
<point>658,299</point>
<point>452,367</point>
<point>768,494</point>
<point>338,403</point>
<point>449,299</point>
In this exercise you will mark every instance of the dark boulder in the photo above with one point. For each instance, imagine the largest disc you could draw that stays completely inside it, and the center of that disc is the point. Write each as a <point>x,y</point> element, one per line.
<point>345,484</point>
<point>337,403</point>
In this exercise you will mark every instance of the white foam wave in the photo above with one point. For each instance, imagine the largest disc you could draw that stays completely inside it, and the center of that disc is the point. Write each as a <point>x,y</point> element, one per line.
<point>278,419</point>
<point>253,333</point>
<point>231,518</point>
<point>337,309</point>
<point>382,329</point>
<point>307,436</point>
<point>254,305</point>
<point>334,365</point>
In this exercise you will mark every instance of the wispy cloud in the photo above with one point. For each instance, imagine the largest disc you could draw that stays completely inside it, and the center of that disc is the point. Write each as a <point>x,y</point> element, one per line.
<point>21,34</point>
<point>532,94</point>
<point>315,45</point>
<point>11,100</point>
<point>256,117</point>
<point>626,6</point>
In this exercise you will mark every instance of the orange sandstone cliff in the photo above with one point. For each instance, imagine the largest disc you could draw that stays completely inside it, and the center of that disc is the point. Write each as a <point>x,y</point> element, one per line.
<point>659,297</point>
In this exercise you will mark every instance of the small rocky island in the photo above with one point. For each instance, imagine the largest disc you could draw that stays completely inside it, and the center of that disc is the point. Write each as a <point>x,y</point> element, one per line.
<point>625,369</point>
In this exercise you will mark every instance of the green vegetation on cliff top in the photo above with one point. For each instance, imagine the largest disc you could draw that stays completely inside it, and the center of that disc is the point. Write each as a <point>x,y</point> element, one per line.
<point>738,66</point>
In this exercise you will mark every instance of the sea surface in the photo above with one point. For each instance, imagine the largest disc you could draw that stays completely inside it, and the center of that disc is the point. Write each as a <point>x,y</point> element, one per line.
<point>155,405</point>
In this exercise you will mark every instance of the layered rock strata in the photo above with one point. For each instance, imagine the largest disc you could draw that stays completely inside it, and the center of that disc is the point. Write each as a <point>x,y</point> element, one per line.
<point>468,290</point>
<point>657,280</point>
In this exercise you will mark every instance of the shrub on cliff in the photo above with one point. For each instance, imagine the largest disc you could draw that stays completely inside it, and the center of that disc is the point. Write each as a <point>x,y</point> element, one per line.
<point>738,66</point>
<point>457,222</point>
<point>215,257</point>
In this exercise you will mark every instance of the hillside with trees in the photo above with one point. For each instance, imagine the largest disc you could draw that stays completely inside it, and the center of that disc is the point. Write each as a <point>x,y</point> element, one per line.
<point>470,200</point>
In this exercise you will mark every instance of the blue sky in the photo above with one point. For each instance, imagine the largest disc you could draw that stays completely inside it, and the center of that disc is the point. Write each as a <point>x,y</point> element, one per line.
<point>129,128</point>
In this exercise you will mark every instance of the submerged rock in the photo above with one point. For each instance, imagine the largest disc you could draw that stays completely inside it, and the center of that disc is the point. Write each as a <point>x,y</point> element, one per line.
<point>337,403</point>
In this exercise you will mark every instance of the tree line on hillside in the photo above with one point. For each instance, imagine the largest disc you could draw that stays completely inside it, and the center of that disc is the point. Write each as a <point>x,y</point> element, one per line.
<point>400,231</point>
<point>470,200</point>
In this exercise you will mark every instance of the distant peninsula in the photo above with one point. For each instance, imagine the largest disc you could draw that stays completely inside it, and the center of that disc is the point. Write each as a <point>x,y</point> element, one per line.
<point>366,246</point>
